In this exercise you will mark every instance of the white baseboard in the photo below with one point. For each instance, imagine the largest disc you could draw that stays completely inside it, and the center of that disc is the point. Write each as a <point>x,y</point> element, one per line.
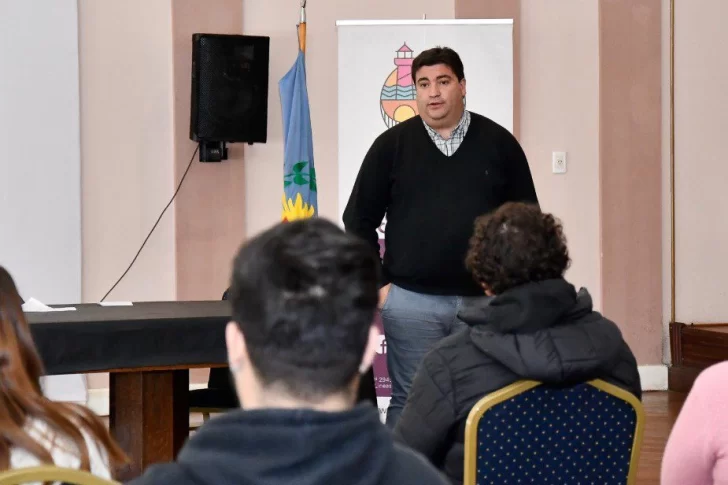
<point>653,377</point>
<point>98,399</point>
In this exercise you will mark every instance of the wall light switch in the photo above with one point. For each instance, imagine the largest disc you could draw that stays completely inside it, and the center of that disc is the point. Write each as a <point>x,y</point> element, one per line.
<point>558,162</point>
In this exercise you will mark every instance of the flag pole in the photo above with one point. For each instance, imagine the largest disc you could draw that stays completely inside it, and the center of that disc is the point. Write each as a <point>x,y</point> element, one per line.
<point>302,28</point>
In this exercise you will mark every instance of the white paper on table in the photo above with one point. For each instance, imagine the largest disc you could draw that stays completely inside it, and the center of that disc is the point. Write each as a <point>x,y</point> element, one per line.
<point>65,388</point>
<point>33,305</point>
<point>115,303</point>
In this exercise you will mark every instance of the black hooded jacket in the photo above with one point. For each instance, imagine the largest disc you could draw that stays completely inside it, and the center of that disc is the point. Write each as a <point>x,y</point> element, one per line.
<point>543,331</point>
<point>301,447</point>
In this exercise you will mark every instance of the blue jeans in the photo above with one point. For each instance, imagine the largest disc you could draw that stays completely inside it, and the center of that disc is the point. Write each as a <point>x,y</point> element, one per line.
<point>413,324</point>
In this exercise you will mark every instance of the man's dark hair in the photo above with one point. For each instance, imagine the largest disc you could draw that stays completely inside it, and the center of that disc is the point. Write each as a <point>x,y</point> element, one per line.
<point>438,55</point>
<point>515,245</point>
<point>304,294</point>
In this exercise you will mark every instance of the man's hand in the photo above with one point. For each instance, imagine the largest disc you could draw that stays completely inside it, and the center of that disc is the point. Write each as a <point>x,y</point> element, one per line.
<point>383,294</point>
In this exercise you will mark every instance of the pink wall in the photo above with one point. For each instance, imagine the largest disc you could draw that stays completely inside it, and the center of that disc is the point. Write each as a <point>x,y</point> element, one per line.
<point>560,112</point>
<point>701,118</point>
<point>630,125</point>
<point>126,150</point>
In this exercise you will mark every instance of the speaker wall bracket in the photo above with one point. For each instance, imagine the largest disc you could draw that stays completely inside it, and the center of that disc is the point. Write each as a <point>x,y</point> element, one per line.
<point>213,151</point>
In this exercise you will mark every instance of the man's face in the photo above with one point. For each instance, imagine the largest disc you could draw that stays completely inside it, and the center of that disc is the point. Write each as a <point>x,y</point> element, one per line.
<point>440,96</point>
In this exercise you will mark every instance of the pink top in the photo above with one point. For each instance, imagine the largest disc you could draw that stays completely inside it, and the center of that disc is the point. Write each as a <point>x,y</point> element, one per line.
<point>697,450</point>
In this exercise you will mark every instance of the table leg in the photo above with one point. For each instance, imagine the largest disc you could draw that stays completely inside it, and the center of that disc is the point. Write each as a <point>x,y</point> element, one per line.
<point>149,416</point>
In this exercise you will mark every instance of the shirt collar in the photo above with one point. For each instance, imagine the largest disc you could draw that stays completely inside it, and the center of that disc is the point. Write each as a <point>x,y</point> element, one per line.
<point>464,120</point>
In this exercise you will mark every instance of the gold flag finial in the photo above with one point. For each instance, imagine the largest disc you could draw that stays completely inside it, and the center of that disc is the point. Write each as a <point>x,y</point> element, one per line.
<point>302,27</point>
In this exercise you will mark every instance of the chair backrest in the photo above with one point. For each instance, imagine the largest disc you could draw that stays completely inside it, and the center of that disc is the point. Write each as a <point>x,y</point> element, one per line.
<point>588,433</point>
<point>50,473</point>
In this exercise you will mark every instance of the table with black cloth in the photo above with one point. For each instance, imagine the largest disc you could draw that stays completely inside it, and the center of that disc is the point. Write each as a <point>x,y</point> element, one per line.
<point>148,349</point>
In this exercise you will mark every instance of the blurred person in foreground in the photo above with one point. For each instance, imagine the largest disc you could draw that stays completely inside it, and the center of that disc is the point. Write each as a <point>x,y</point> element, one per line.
<point>33,429</point>
<point>697,449</point>
<point>304,296</point>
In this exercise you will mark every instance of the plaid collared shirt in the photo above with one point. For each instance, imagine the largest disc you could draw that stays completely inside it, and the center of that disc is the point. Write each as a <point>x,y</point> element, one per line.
<point>450,145</point>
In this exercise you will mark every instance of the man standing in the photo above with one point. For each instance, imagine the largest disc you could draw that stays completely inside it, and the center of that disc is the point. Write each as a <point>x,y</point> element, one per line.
<point>432,175</point>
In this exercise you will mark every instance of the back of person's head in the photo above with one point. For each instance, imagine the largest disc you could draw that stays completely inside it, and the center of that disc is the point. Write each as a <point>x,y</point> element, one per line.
<point>439,55</point>
<point>515,245</point>
<point>304,296</point>
<point>21,397</point>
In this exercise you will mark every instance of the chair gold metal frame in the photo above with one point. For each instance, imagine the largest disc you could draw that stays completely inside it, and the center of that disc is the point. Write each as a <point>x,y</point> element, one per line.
<point>50,473</point>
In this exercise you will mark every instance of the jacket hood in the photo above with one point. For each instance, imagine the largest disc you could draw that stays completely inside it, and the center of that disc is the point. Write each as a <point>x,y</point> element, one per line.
<point>544,331</point>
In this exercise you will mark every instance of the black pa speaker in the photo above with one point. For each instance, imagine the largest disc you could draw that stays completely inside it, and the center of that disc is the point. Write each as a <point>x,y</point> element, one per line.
<point>229,90</point>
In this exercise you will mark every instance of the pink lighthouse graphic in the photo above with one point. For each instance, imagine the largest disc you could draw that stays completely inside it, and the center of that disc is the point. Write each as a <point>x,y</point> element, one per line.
<point>397,100</point>
<point>403,61</point>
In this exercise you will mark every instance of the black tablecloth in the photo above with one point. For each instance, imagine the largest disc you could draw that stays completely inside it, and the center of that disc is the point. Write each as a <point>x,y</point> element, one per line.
<point>95,338</point>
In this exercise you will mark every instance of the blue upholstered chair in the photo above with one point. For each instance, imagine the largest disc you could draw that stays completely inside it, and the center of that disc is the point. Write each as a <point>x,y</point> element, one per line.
<point>529,433</point>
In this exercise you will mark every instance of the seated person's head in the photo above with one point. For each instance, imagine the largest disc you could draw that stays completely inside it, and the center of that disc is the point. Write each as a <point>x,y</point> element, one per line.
<point>304,296</point>
<point>515,245</point>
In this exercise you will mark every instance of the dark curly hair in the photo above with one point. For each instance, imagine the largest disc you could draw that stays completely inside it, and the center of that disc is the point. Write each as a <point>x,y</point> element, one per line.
<point>515,245</point>
<point>439,55</point>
